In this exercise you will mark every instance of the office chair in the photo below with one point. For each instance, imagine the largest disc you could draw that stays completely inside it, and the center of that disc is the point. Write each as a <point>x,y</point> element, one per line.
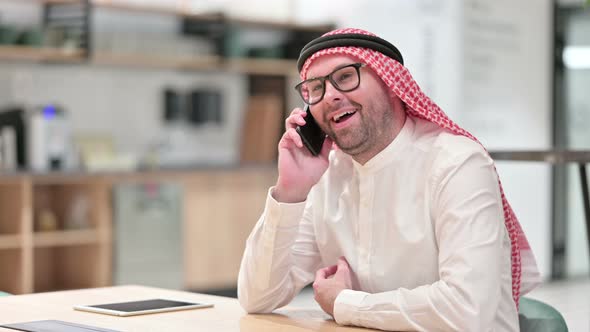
<point>537,316</point>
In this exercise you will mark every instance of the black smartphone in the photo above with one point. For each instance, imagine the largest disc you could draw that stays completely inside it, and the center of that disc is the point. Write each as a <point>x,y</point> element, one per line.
<point>311,134</point>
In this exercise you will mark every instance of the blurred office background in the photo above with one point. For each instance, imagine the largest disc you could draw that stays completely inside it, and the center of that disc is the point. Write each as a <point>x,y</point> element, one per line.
<point>138,137</point>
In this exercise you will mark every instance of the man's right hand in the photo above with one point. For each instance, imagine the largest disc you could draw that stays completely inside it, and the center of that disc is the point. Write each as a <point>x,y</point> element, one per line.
<point>299,170</point>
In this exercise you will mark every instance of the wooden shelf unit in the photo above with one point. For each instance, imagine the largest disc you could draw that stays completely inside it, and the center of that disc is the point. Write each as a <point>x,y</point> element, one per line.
<point>40,54</point>
<point>249,66</point>
<point>213,16</point>
<point>59,1</point>
<point>80,258</point>
<point>65,238</point>
<point>15,235</point>
<point>12,194</point>
<point>10,242</point>
<point>147,9</point>
<point>68,267</point>
<point>180,12</point>
<point>61,258</point>
<point>279,67</point>
<point>200,62</point>
<point>14,266</point>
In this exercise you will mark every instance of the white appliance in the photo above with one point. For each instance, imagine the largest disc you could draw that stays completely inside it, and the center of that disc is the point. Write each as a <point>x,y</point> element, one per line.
<point>49,143</point>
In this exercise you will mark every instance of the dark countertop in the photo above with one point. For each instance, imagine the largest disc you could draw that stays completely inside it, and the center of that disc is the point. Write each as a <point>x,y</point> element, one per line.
<point>549,156</point>
<point>72,175</point>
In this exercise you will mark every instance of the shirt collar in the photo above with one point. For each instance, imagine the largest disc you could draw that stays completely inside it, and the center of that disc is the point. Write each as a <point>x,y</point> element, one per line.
<point>391,152</point>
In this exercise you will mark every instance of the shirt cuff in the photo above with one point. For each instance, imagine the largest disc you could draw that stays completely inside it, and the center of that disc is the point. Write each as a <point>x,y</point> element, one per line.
<point>347,305</point>
<point>283,215</point>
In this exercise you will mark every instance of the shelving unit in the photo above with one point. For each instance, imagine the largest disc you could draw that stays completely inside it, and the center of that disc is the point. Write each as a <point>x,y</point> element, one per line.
<point>68,267</point>
<point>59,1</point>
<point>63,257</point>
<point>37,261</point>
<point>65,238</point>
<point>213,17</point>
<point>12,263</point>
<point>10,242</point>
<point>58,256</point>
<point>279,67</point>
<point>210,62</point>
<point>41,54</point>
<point>135,8</point>
<point>248,66</point>
<point>15,235</point>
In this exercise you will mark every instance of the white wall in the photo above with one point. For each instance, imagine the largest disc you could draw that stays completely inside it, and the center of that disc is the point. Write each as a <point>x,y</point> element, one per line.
<point>127,104</point>
<point>507,102</point>
<point>578,116</point>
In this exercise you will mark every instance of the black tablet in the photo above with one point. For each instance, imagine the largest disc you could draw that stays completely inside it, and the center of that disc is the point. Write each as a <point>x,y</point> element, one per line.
<point>142,307</point>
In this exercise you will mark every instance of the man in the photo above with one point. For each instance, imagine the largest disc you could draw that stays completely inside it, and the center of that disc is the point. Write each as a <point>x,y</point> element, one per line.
<point>403,225</point>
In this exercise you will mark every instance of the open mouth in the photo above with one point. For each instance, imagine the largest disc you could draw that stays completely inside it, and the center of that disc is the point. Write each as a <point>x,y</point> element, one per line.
<point>343,116</point>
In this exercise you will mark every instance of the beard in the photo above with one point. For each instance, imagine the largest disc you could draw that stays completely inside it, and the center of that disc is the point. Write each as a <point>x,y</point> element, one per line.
<point>351,140</point>
<point>371,132</point>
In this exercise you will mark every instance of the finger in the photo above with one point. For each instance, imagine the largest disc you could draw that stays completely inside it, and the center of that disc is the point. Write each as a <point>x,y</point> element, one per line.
<point>326,147</point>
<point>296,110</point>
<point>285,142</point>
<point>345,274</point>
<point>325,272</point>
<point>330,270</point>
<point>294,136</point>
<point>294,121</point>
<point>343,264</point>
<point>295,118</point>
<point>289,139</point>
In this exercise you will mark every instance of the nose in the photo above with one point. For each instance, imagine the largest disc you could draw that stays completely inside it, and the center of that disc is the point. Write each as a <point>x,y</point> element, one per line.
<point>332,94</point>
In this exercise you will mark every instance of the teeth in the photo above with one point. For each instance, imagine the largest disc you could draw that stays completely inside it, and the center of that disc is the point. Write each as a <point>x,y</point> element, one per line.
<point>337,117</point>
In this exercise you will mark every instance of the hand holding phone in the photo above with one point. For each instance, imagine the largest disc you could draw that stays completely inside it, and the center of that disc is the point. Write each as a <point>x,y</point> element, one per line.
<point>311,134</point>
<point>298,170</point>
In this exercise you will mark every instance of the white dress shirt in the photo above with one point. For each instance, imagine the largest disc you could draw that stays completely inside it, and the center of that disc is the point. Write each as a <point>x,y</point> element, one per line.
<point>421,225</point>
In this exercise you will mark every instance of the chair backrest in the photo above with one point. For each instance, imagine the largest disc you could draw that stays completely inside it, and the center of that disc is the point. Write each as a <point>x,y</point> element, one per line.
<point>537,316</point>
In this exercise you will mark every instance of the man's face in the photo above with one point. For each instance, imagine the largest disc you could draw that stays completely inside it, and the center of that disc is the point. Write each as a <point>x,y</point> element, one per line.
<point>368,126</point>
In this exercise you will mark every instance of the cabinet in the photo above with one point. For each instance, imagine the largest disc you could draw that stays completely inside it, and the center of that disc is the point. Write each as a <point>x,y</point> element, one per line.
<point>220,210</point>
<point>49,242</point>
<point>147,234</point>
<point>15,236</point>
<point>39,250</point>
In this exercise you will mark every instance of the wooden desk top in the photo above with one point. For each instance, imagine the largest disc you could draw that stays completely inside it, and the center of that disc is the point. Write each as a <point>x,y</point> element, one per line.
<point>226,315</point>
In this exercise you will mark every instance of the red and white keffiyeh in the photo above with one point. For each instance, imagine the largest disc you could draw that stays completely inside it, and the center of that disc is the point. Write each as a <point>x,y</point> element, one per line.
<point>401,83</point>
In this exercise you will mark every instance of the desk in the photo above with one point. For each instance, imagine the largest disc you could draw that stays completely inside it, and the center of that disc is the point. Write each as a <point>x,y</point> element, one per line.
<point>225,316</point>
<point>582,158</point>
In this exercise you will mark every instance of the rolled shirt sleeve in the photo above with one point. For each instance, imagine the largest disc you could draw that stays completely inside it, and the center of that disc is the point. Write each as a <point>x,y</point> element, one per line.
<point>280,258</point>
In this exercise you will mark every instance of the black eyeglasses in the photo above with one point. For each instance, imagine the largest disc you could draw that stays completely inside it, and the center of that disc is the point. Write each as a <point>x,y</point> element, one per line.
<point>344,79</point>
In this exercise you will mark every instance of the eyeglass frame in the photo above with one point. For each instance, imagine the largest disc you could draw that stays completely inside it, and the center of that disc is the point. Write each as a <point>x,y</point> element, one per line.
<point>357,66</point>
